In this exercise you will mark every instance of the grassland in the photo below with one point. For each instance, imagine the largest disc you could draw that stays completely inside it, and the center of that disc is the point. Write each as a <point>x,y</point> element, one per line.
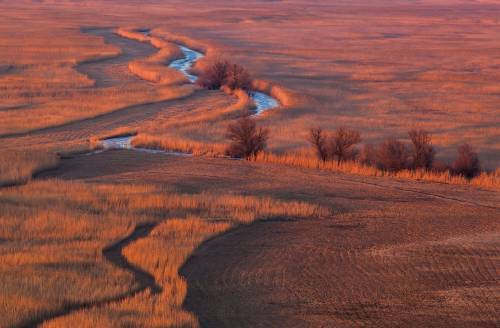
<point>53,233</point>
<point>64,75</point>
<point>99,240</point>
<point>18,166</point>
<point>426,66</point>
<point>444,81</point>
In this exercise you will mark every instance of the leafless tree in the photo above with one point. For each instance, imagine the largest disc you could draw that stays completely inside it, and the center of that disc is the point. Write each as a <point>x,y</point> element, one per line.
<point>318,140</point>
<point>467,162</point>
<point>368,155</point>
<point>215,74</point>
<point>393,155</point>
<point>441,166</point>
<point>422,150</point>
<point>341,143</point>
<point>246,139</point>
<point>238,78</point>
<point>223,73</point>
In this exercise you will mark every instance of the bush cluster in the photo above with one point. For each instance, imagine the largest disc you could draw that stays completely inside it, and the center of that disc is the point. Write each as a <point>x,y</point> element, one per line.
<point>392,154</point>
<point>337,145</point>
<point>246,139</point>
<point>222,73</point>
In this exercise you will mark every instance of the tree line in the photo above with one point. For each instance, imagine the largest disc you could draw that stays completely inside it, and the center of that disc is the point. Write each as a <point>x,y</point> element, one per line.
<point>247,140</point>
<point>392,154</point>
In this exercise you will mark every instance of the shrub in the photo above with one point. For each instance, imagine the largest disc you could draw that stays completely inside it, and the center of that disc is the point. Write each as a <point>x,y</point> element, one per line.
<point>440,166</point>
<point>238,78</point>
<point>246,139</point>
<point>422,150</point>
<point>338,144</point>
<point>368,155</point>
<point>318,140</point>
<point>341,144</point>
<point>215,75</point>
<point>222,73</point>
<point>467,162</point>
<point>393,155</point>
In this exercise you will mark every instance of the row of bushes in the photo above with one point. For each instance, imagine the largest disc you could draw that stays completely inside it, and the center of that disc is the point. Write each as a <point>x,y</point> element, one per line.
<point>393,154</point>
<point>247,141</point>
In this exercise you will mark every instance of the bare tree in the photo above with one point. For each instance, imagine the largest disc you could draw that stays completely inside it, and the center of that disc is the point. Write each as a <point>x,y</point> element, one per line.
<point>318,140</point>
<point>238,78</point>
<point>422,150</point>
<point>215,75</point>
<point>222,73</point>
<point>393,155</point>
<point>341,143</point>
<point>467,162</point>
<point>368,155</point>
<point>441,166</point>
<point>246,139</point>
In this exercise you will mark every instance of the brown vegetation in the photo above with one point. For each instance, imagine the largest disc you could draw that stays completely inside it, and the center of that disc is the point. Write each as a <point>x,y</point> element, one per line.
<point>422,151</point>
<point>337,84</point>
<point>53,232</point>
<point>84,218</point>
<point>393,155</point>
<point>318,139</point>
<point>154,68</point>
<point>247,141</point>
<point>222,73</point>
<point>238,78</point>
<point>341,143</point>
<point>181,145</point>
<point>337,145</point>
<point>214,76</point>
<point>489,180</point>
<point>467,162</point>
<point>18,166</point>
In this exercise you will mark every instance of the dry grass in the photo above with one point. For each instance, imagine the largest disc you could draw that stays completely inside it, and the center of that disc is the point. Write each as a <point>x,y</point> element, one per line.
<point>43,80</point>
<point>154,68</point>
<point>443,82</point>
<point>55,230</point>
<point>287,98</point>
<point>484,180</point>
<point>84,104</point>
<point>200,131</point>
<point>176,144</point>
<point>18,166</point>
<point>489,180</point>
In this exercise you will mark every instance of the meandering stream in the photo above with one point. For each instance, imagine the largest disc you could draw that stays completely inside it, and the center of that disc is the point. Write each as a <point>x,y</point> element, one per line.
<point>262,101</point>
<point>184,64</point>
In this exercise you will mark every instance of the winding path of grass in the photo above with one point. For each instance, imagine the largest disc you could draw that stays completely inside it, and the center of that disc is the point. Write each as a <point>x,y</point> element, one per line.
<point>114,255</point>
